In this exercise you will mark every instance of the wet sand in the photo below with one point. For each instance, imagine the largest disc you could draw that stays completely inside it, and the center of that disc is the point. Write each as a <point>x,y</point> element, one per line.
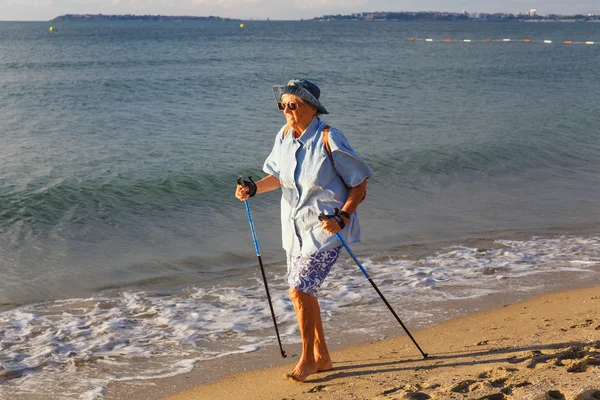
<point>544,348</point>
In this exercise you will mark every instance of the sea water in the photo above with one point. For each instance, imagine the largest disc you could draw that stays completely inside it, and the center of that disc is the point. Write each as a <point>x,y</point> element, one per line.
<point>124,255</point>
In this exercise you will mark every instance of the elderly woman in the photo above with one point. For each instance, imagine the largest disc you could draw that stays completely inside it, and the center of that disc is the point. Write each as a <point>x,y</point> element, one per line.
<point>317,171</point>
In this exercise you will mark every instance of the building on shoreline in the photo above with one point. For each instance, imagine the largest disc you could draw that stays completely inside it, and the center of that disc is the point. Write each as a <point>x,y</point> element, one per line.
<point>530,15</point>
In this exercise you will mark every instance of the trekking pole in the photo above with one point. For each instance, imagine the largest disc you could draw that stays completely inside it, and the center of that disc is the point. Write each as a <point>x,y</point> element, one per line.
<point>364,271</point>
<point>240,181</point>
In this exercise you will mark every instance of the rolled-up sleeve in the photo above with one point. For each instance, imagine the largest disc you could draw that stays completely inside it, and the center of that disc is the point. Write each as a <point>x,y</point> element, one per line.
<point>349,165</point>
<point>271,165</point>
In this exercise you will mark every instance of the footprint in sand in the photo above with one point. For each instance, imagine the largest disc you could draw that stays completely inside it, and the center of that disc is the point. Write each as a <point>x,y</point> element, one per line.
<point>461,387</point>
<point>574,358</point>
<point>581,364</point>
<point>318,388</point>
<point>588,395</point>
<point>555,395</point>
<point>497,373</point>
<point>415,396</point>
<point>496,396</point>
<point>407,392</point>
<point>588,322</point>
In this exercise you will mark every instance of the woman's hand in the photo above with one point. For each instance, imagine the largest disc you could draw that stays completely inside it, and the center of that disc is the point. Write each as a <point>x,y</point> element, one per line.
<point>242,192</point>
<point>332,226</point>
<point>251,188</point>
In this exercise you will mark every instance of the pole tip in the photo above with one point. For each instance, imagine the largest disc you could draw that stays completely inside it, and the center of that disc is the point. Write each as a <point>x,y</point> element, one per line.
<point>283,355</point>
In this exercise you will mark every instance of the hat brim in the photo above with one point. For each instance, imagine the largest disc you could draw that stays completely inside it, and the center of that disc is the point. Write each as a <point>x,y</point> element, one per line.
<point>299,91</point>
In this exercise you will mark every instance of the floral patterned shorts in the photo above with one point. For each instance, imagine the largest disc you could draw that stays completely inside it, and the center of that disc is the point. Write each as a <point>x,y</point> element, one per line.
<point>306,273</point>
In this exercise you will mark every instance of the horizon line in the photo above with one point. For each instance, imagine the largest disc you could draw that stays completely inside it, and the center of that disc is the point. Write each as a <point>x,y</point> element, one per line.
<point>302,19</point>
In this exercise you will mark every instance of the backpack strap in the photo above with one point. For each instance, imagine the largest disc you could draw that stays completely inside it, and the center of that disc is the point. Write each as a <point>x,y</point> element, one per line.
<point>325,139</point>
<point>326,142</point>
<point>328,150</point>
<point>286,131</point>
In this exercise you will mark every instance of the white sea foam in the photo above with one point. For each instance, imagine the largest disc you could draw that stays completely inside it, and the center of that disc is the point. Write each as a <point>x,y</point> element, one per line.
<point>476,267</point>
<point>72,348</point>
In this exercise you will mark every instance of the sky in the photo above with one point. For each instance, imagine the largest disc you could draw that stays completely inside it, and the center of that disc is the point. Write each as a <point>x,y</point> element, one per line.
<point>43,10</point>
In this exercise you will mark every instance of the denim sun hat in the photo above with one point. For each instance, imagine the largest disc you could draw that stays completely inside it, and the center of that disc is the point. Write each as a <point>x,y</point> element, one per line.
<point>302,88</point>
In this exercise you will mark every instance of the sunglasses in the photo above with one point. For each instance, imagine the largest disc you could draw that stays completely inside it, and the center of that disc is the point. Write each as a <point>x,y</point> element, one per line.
<point>290,106</point>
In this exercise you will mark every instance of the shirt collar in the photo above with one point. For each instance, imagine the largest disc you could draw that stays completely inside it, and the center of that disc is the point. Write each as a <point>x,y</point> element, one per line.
<point>310,133</point>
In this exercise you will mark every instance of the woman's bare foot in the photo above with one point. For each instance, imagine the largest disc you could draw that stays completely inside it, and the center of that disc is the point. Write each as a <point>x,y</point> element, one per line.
<point>302,371</point>
<point>324,364</point>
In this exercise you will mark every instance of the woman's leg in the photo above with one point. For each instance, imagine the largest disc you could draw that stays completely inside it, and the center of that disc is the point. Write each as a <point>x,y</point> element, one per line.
<point>320,347</point>
<point>305,275</point>
<point>315,355</point>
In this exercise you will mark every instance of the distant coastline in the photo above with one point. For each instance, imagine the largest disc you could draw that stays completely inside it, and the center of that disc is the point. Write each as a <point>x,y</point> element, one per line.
<point>131,17</point>
<point>364,16</point>
<point>454,16</point>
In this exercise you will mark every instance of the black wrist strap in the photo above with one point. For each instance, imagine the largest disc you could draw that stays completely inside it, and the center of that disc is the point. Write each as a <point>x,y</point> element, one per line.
<point>249,184</point>
<point>340,221</point>
<point>336,216</point>
<point>344,214</point>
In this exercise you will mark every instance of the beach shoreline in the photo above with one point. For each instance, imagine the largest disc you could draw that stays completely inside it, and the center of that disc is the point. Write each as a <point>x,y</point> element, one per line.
<point>522,350</point>
<point>546,347</point>
<point>128,267</point>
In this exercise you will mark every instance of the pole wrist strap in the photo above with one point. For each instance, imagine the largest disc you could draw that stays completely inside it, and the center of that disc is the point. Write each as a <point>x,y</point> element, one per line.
<point>337,216</point>
<point>250,184</point>
<point>340,221</point>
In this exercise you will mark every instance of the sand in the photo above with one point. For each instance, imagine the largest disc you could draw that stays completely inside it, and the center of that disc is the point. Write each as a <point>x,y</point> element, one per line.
<point>544,348</point>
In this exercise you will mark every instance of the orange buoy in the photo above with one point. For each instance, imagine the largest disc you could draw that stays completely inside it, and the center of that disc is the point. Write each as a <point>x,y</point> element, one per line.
<point>568,42</point>
<point>411,38</point>
<point>527,40</point>
<point>487,40</point>
<point>447,40</point>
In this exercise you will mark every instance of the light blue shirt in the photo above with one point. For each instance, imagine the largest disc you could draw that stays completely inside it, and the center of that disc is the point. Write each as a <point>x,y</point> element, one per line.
<point>310,184</point>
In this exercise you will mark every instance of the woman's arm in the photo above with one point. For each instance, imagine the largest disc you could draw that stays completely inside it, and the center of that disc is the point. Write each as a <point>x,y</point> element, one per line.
<point>355,196</point>
<point>266,184</point>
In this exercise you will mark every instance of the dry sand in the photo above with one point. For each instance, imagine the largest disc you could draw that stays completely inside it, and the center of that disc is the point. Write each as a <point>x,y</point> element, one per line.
<point>544,348</point>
